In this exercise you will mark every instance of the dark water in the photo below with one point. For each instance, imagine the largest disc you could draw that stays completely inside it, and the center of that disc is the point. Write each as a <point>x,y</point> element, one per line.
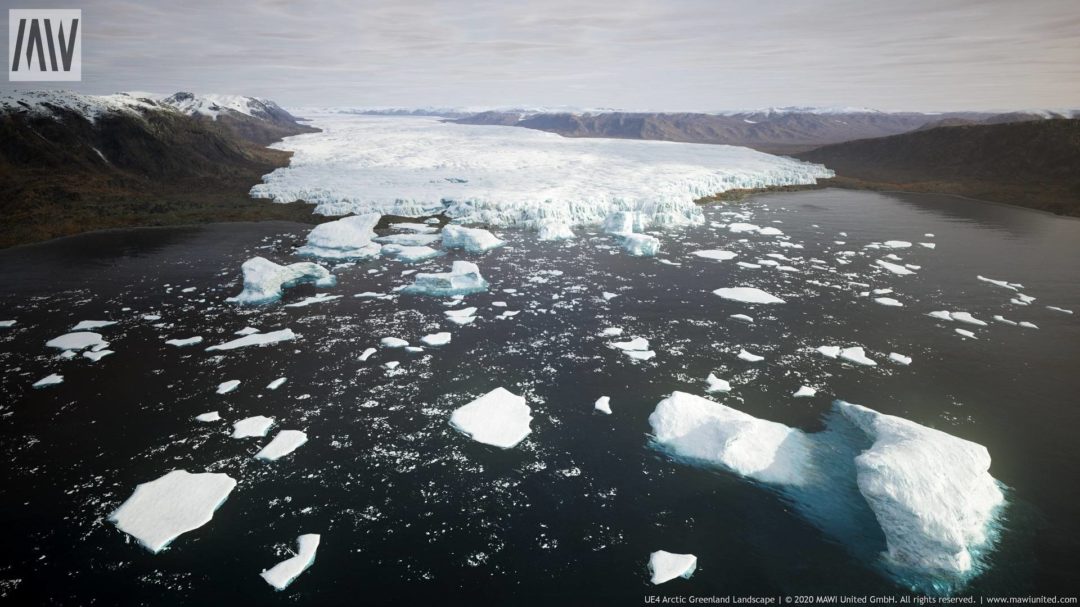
<point>412,512</point>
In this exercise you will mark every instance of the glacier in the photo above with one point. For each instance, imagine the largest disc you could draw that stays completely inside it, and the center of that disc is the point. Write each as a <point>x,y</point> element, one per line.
<point>512,177</point>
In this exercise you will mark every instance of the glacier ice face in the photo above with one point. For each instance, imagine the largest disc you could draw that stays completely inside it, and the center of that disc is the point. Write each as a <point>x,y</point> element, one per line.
<point>500,418</point>
<point>463,278</point>
<point>512,177</point>
<point>161,510</point>
<point>264,280</point>
<point>665,566</point>
<point>281,575</point>
<point>472,240</point>
<point>931,492</point>
<point>707,432</point>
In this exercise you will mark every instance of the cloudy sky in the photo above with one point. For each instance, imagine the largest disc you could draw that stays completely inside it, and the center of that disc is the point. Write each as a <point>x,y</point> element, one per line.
<point>671,55</point>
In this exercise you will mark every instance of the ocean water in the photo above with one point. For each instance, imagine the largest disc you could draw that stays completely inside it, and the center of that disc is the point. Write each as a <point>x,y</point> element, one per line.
<point>411,511</point>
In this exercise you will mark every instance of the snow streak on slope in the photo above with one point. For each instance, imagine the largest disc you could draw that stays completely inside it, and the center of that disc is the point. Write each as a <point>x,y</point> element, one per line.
<point>508,176</point>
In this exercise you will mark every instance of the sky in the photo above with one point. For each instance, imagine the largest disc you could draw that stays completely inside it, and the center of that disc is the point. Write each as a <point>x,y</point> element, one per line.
<point>920,55</point>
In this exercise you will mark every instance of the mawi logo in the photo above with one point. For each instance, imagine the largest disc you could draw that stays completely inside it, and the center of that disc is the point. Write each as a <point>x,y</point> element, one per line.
<point>44,45</point>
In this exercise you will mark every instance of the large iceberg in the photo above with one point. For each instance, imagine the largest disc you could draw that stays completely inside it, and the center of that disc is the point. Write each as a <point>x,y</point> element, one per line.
<point>264,280</point>
<point>348,238</point>
<point>512,177</point>
<point>162,509</point>
<point>500,418</point>
<point>473,240</point>
<point>665,566</point>
<point>462,279</point>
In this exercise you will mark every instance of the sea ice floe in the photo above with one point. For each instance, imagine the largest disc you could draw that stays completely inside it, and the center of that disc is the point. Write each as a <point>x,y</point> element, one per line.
<point>750,358</point>
<point>256,339</point>
<point>211,416</point>
<point>252,426</point>
<point>309,301</point>
<point>1023,323</point>
<point>940,314</point>
<point>637,343</point>
<point>277,383</point>
<point>966,317</point>
<point>1004,320</point>
<point>747,295</point>
<point>393,342</point>
<point>640,245</point>
<point>348,238</point>
<point>928,245</point>
<point>665,566</point>
<point>409,240</point>
<point>603,405</point>
<point>228,386</point>
<point>608,296</point>
<point>409,254</point>
<point>463,279</point>
<point>611,332</point>
<point>264,280</point>
<point>747,265</point>
<point>857,355</point>
<point>96,355</point>
<point>281,575</point>
<point>436,339</point>
<point>804,392</point>
<point>742,317</point>
<point>499,418</point>
<point>161,510</point>
<point>715,384</point>
<point>1022,300</point>
<point>1001,283</point>
<point>87,325</point>
<point>283,444</point>
<point>888,301</point>
<point>894,268</point>
<point>709,433</point>
<point>896,244</point>
<point>7,324</point>
<point>462,316</point>
<point>715,254</point>
<point>367,354</point>
<point>77,341</point>
<point>49,380</point>
<point>472,240</point>
<point>899,358</point>
<point>189,341</point>
<point>1057,309</point>
<point>966,333</point>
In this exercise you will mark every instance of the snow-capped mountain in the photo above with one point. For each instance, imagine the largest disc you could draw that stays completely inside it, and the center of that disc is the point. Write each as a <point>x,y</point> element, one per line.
<point>214,106</point>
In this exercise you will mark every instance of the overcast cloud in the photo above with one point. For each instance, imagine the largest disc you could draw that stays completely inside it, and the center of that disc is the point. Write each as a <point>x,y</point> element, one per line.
<point>674,55</point>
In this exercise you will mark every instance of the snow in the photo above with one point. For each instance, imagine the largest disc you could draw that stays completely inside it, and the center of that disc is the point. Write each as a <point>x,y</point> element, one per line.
<point>666,566</point>
<point>747,295</point>
<point>888,301</point>
<point>277,383</point>
<point>161,510</point>
<point>464,278</point>
<point>90,107</point>
<point>603,405</point>
<point>472,240</point>
<point>716,384</point>
<point>252,426</point>
<point>857,355</point>
<point>894,268</point>
<point>804,392</point>
<point>211,416</point>
<point>283,444</point>
<point>436,339</point>
<point>49,380</point>
<point>213,105</point>
<point>256,339</point>
<point>750,358</point>
<point>708,433</point>
<point>86,325</point>
<point>899,358</point>
<point>716,254</point>
<point>931,492</point>
<point>640,245</point>
<point>393,342</point>
<point>499,418</point>
<point>180,343</point>
<point>409,254</point>
<point>77,341</point>
<point>509,176</point>
<point>264,280</point>
<point>281,575</point>
<point>228,386</point>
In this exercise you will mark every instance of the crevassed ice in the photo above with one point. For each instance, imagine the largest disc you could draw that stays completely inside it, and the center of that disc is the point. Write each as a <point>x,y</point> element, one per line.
<point>509,176</point>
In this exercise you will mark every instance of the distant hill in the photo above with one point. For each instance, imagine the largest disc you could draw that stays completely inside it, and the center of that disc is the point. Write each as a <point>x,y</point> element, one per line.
<point>71,163</point>
<point>1034,163</point>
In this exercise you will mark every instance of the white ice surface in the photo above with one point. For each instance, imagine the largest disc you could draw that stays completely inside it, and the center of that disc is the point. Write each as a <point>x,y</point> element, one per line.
<point>498,418</point>
<point>281,575</point>
<point>256,339</point>
<point>284,443</point>
<point>436,339</point>
<point>463,278</point>
<point>277,383</point>
<point>894,268</point>
<point>161,510</point>
<point>899,358</point>
<point>715,384</point>
<point>750,357</point>
<point>252,426</point>
<point>264,280</point>
<point>472,240</point>
<point>603,405</point>
<point>348,238</point>
<point>857,355</point>
<point>77,341</point>
<point>49,380</point>
<point>409,254</point>
<point>228,386</point>
<point>211,416</point>
<point>747,295</point>
<point>804,392</point>
<point>86,325</point>
<point>190,341</point>
<point>665,566</point>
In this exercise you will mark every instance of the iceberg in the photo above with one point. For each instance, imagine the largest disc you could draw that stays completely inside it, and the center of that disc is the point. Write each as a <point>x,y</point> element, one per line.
<point>180,343</point>
<point>228,386</point>
<point>409,254</point>
<point>899,359</point>
<point>716,384</point>
<point>804,392</point>
<point>49,380</point>
<point>436,339</point>
<point>264,280</point>
<point>161,510</point>
<point>894,268</point>
<point>708,433</point>
<point>281,575</point>
<point>857,355</point>
<point>252,426</point>
<point>716,254</point>
<point>409,240</point>
<point>348,238</point>
<point>277,383</point>
<point>212,416</point>
<point>283,444</point>
<point>750,358</point>
<point>747,295</point>
<point>393,342</point>
<point>603,405</point>
<point>256,339</point>
<point>554,230</point>
<point>499,418</point>
<point>666,566</point>
<point>464,278</point>
<point>76,341</point>
<point>472,240</point>
<point>86,325</point>
<point>640,245</point>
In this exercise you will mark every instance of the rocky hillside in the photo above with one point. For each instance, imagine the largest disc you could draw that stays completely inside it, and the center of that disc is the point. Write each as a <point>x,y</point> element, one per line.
<point>71,163</point>
<point>1034,163</point>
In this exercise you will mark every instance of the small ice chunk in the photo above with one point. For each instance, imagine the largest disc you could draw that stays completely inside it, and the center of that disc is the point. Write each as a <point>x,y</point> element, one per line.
<point>265,280</point>
<point>1025,300</point>
<point>857,355</point>
<point>283,444</point>
<point>928,245</point>
<point>161,510</point>
<point>391,364</point>
<point>86,325</point>
<point>941,315</point>
<point>281,575</point>
<point>498,418</point>
<point>348,238</point>
<point>611,332</point>
<point>472,240</point>
<point>747,295</point>
<point>96,355</point>
<point>367,354</point>
<point>770,231</point>
<point>716,254</point>
<point>246,331</point>
<point>748,357</point>
<point>666,566</point>
<point>896,244</point>
<point>638,344</point>
<point>1057,309</point>
<point>463,279</point>
<point>436,339</point>
<point>967,318</point>
<point>805,392</point>
<point>894,268</point>
<point>1028,325</point>
<point>1001,283</point>
<point>277,383</point>
<point>743,318</point>
<point>409,254</point>
<point>49,380</point>
<point>7,324</point>
<point>1002,319</point>
<point>716,384</point>
<point>228,386</point>
<point>393,342</point>
<point>888,301</point>
<point>640,245</point>
<point>256,339</point>
<point>180,343</point>
<point>966,333</point>
<point>252,426</point>
<point>212,416</point>
<point>603,405</point>
<point>899,358</point>
<point>609,296</point>
<point>77,341</point>
<point>640,354</point>
<point>748,265</point>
